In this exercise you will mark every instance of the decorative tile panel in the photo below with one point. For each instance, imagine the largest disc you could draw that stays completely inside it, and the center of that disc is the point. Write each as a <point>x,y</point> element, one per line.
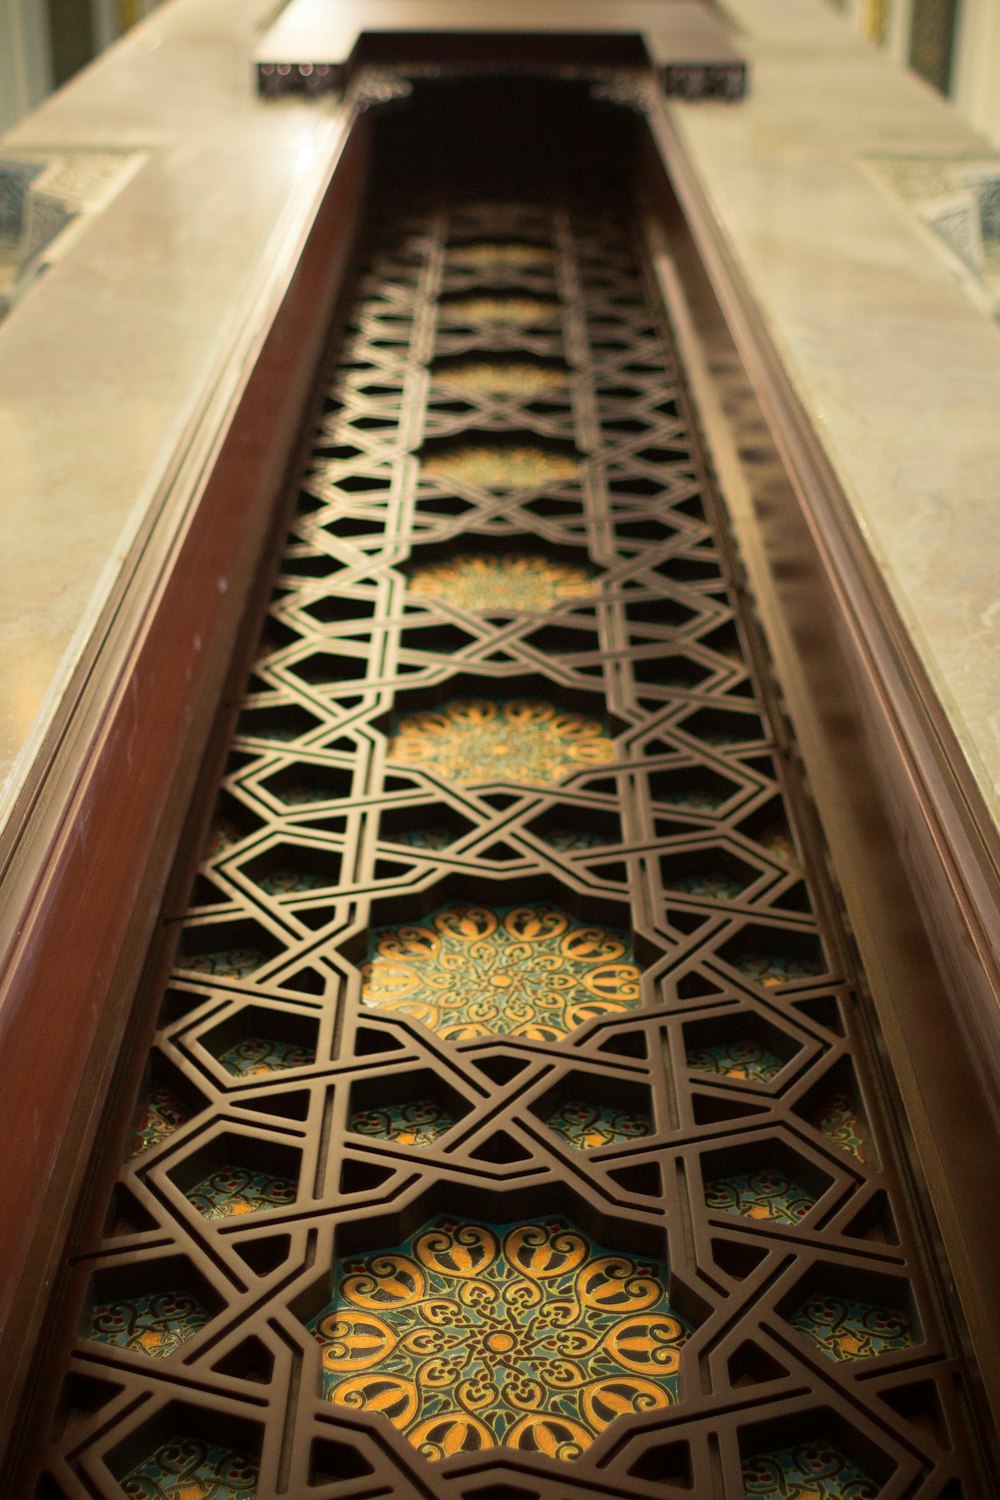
<point>484,582</point>
<point>809,1471</point>
<point>476,739</point>
<point>529,971</point>
<point>842,1328</point>
<point>502,855</point>
<point>189,1469</point>
<point>472,1336</point>
<point>154,1324</point>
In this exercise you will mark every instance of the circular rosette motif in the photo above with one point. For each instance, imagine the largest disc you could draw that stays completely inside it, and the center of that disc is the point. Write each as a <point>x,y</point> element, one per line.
<point>518,739</point>
<point>488,581</point>
<point>528,971</point>
<point>516,1335</point>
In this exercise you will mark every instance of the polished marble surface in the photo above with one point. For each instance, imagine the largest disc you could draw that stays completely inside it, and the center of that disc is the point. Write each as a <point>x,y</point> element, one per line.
<point>898,367</point>
<point>107,363</point>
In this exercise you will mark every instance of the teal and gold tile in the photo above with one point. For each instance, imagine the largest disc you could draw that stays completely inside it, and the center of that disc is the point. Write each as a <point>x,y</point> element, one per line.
<point>236,1190</point>
<point>486,255</point>
<point>481,582</point>
<point>500,466</point>
<point>154,1324</point>
<point>837,1116</point>
<point>767,1194</point>
<point>844,1328</point>
<point>716,887</point>
<point>423,838</point>
<point>585,1126</point>
<point>747,1060</point>
<point>807,1471</point>
<point>571,840</point>
<point>162,1114</point>
<point>776,968</point>
<point>416,1124</point>
<point>529,971</point>
<point>520,309</point>
<point>258,1054</point>
<point>190,1469</point>
<point>514,739</point>
<point>472,1336</point>
<point>503,377</point>
<point>285,882</point>
<point>231,963</point>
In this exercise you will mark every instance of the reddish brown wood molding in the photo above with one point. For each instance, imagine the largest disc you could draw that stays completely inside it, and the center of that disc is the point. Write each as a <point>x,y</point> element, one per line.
<point>86,883</point>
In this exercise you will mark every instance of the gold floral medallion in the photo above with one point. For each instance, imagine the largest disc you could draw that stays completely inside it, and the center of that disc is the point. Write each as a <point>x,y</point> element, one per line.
<point>483,581</point>
<point>472,1336</point>
<point>517,739</point>
<point>517,308</point>
<point>501,466</point>
<point>505,377</point>
<point>485,254</point>
<point>529,971</point>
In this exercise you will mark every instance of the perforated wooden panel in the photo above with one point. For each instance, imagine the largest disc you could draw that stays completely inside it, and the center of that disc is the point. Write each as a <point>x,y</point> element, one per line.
<point>509,1131</point>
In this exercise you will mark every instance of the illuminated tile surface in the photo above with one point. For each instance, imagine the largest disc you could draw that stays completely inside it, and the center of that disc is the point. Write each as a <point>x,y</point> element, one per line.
<point>162,1114</point>
<point>417,1124</point>
<point>472,1336</point>
<point>500,466</point>
<point>744,1059</point>
<point>809,1471</point>
<point>838,1117</point>
<point>233,963</point>
<point>847,1329</point>
<point>237,1190</point>
<point>487,254</point>
<point>523,310</point>
<point>767,1194</point>
<point>188,1469</point>
<point>155,1324</point>
<point>504,377</point>
<point>257,1054</point>
<point>776,968</point>
<point>587,1126</point>
<point>528,971</point>
<point>476,739</point>
<point>500,581</point>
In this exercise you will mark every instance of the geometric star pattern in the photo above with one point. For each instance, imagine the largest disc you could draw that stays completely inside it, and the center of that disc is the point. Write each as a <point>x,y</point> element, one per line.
<point>512,952</point>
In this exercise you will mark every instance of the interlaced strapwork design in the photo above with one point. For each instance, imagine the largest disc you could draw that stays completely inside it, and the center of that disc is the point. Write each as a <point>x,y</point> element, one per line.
<point>509,1111</point>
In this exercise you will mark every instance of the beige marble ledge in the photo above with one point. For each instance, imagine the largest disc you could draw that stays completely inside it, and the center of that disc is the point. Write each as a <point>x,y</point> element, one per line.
<point>106,361</point>
<point>899,371</point>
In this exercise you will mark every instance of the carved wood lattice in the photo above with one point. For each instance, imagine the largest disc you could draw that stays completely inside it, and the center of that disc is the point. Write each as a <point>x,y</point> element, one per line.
<point>512,1061</point>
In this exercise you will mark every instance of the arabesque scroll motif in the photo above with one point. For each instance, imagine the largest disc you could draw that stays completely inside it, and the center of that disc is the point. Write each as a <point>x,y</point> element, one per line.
<point>473,1336</point>
<point>475,739</point>
<point>528,971</point>
<point>485,581</point>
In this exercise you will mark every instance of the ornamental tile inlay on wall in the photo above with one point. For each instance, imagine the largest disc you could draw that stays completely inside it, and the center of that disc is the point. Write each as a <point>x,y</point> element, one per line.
<point>509,377</point>
<point>843,1328</point>
<point>528,971</point>
<point>527,1335</point>
<point>809,1471</point>
<point>587,1126</point>
<point>495,822</point>
<point>417,1124</point>
<point>474,739</point>
<point>155,1324</point>
<point>501,467</point>
<point>485,581</point>
<point>162,1114</point>
<point>189,1469</point>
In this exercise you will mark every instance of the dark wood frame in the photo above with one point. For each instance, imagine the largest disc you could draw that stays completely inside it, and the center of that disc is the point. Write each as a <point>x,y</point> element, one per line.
<point>890,778</point>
